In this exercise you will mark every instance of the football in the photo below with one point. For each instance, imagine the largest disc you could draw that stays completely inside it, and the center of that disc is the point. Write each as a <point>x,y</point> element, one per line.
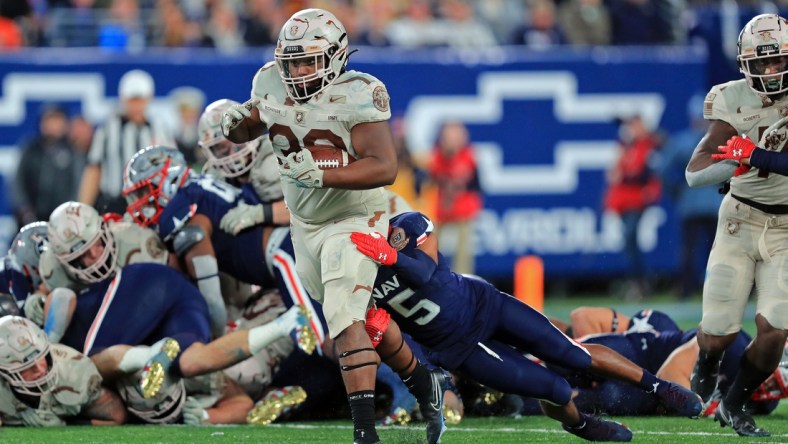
<point>330,157</point>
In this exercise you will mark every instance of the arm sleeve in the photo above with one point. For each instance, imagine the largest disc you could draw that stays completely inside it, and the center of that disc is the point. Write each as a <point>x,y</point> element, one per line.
<point>713,174</point>
<point>415,269</point>
<point>771,161</point>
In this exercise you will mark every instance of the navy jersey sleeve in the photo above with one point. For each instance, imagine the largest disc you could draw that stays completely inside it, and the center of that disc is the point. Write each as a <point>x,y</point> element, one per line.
<point>177,213</point>
<point>772,161</point>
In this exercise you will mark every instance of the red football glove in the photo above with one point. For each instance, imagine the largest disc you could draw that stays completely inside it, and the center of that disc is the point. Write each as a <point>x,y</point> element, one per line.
<point>375,246</point>
<point>741,169</point>
<point>737,148</point>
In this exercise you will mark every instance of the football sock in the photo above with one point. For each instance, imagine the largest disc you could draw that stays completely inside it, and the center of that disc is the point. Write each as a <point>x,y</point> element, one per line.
<point>362,409</point>
<point>419,381</point>
<point>136,357</point>
<point>747,380</point>
<point>648,382</point>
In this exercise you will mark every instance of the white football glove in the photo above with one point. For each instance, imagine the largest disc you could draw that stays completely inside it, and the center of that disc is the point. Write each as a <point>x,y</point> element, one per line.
<point>301,168</point>
<point>193,412</point>
<point>236,114</point>
<point>32,418</point>
<point>34,308</point>
<point>242,217</point>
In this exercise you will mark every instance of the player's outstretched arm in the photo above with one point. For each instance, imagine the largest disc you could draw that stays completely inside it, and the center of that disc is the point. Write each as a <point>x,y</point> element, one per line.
<point>107,409</point>
<point>377,159</point>
<point>702,169</point>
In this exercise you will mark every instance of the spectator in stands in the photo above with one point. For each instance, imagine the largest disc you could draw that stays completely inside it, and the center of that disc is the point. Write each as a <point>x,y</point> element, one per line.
<point>585,22</point>
<point>10,34</point>
<point>223,28</point>
<point>453,170</point>
<point>117,140</point>
<point>697,207</point>
<point>372,30</point>
<point>261,22</point>
<point>643,22</point>
<point>124,29</point>
<point>632,186</point>
<point>460,27</point>
<point>175,28</point>
<point>415,27</point>
<point>49,169</point>
<point>74,25</point>
<point>540,30</point>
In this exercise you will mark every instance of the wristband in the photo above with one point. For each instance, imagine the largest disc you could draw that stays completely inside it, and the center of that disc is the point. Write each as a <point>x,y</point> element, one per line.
<point>268,213</point>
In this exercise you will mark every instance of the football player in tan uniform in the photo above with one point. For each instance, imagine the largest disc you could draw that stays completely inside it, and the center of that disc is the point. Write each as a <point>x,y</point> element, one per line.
<point>112,244</point>
<point>306,98</point>
<point>750,245</point>
<point>47,384</point>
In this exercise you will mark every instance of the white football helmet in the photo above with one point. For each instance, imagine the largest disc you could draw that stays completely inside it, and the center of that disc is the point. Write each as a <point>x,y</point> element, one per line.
<point>22,345</point>
<point>150,180</point>
<point>164,408</point>
<point>26,249</point>
<point>311,37</point>
<point>763,54</point>
<point>230,158</point>
<point>74,228</point>
<point>776,385</point>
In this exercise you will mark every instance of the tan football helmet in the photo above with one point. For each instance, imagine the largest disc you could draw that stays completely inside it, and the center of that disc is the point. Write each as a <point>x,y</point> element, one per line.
<point>230,158</point>
<point>311,36</point>
<point>22,345</point>
<point>166,407</point>
<point>763,54</point>
<point>74,228</point>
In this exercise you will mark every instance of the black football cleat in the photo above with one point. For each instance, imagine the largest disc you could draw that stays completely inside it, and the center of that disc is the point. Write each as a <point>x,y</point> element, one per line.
<point>431,407</point>
<point>600,430</point>
<point>703,379</point>
<point>681,400</point>
<point>740,420</point>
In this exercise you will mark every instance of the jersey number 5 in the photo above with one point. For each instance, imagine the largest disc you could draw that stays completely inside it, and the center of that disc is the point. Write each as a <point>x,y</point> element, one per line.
<point>397,303</point>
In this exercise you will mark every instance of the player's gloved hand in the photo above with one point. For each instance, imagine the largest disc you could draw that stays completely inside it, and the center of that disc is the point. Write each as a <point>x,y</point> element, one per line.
<point>301,168</point>
<point>736,148</point>
<point>34,308</point>
<point>375,246</point>
<point>242,217</point>
<point>193,412</point>
<point>236,114</point>
<point>33,418</point>
<point>741,170</point>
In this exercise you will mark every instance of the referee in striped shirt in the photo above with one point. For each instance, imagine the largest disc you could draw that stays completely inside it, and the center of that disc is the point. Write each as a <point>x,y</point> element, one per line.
<point>117,140</point>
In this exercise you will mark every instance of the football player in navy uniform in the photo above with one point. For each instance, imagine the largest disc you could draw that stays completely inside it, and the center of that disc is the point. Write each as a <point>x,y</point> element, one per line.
<point>468,325</point>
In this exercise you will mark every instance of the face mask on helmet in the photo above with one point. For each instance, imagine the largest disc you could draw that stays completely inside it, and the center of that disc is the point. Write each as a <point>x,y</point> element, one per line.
<point>151,179</point>
<point>25,359</point>
<point>776,385</point>
<point>311,52</point>
<point>82,242</point>
<point>763,57</point>
<point>231,159</point>
<point>26,249</point>
<point>164,408</point>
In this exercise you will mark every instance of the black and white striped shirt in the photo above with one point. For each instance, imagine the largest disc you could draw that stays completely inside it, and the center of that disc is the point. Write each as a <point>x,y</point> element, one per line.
<point>116,141</point>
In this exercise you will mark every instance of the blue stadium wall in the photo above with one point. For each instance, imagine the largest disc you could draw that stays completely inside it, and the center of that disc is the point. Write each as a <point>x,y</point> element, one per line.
<point>543,122</point>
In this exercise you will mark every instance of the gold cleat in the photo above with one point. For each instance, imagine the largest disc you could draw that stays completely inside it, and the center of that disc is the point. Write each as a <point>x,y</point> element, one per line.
<point>451,416</point>
<point>304,335</point>
<point>490,397</point>
<point>275,404</point>
<point>400,417</point>
<point>155,370</point>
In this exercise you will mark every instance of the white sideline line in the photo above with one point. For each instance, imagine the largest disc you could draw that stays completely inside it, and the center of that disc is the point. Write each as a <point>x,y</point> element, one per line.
<point>730,433</point>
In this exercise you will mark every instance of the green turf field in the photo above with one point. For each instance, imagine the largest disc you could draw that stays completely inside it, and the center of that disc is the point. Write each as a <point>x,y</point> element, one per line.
<point>469,431</point>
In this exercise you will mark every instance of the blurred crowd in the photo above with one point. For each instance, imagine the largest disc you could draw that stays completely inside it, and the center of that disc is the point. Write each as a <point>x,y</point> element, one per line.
<point>230,25</point>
